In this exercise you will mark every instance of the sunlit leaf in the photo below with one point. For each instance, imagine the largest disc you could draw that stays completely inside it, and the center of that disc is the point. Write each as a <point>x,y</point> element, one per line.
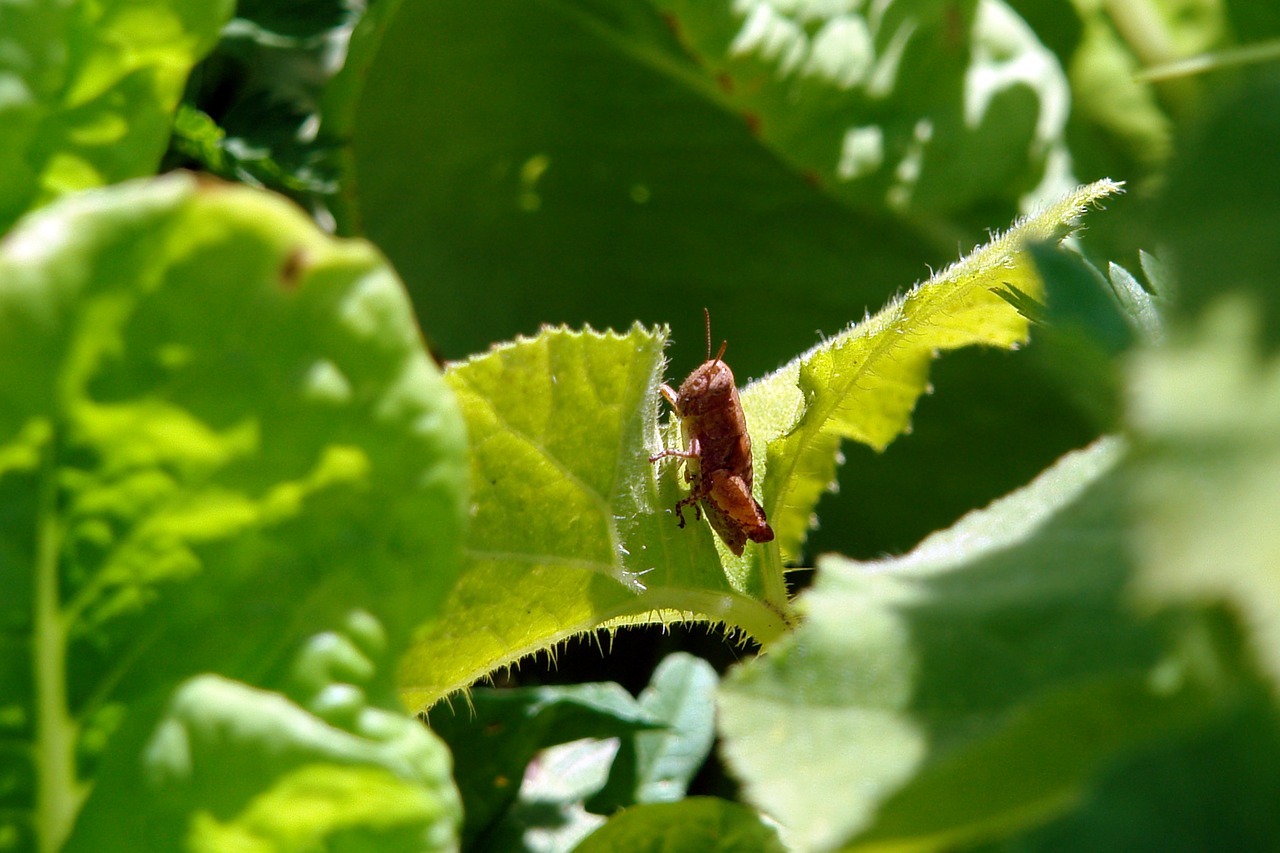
<point>863,383</point>
<point>220,434</point>
<point>571,525</point>
<point>87,90</point>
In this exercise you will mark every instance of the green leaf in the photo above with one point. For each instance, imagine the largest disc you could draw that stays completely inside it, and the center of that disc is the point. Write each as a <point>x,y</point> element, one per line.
<point>87,90</point>
<point>918,107</point>
<point>1230,178</point>
<point>571,526</point>
<point>1215,786</point>
<point>695,825</point>
<point>220,434</point>
<point>497,736</point>
<point>1205,414</point>
<point>966,689</point>
<point>863,383</point>
<point>657,766</point>
<point>1139,306</point>
<point>228,766</point>
<point>550,815</point>
<point>1083,327</point>
<point>606,196</point>
<point>649,749</point>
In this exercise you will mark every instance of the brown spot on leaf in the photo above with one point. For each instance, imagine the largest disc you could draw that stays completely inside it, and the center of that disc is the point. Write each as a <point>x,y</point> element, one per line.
<point>295,264</point>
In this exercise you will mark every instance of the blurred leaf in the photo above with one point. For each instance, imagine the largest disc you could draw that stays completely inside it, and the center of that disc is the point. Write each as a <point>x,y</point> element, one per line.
<point>229,767</point>
<point>967,689</point>
<point>1212,789</point>
<point>863,384</point>
<point>1083,326</point>
<point>583,175</point>
<point>657,766</point>
<point>1218,217</point>
<point>1257,20</point>
<point>1122,123</point>
<point>919,107</point>
<point>87,89</point>
<point>497,736</point>
<point>1206,423</point>
<point>219,435</point>
<point>1118,125</point>
<point>522,790</point>
<point>300,19</point>
<point>263,89</point>
<point>695,825</point>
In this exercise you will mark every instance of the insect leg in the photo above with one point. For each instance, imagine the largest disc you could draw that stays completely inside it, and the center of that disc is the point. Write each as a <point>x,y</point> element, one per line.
<point>670,394</point>
<point>683,454</point>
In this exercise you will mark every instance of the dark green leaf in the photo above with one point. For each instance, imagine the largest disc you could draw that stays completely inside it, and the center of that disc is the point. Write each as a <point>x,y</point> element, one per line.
<point>657,766</point>
<point>1219,215</point>
<point>695,825</point>
<point>498,733</point>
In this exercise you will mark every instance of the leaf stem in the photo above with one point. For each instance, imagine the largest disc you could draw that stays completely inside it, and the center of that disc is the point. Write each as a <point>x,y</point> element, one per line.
<point>58,794</point>
<point>775,584</point>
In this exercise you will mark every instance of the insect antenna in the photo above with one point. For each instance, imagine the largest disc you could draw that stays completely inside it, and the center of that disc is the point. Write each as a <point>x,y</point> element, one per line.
<point>723,345</point>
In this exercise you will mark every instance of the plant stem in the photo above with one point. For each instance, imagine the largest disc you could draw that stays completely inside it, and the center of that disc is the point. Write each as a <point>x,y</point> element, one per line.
<point>58,794</point>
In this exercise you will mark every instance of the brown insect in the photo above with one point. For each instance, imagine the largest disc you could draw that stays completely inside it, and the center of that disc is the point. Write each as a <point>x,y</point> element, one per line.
<point>717,461</point>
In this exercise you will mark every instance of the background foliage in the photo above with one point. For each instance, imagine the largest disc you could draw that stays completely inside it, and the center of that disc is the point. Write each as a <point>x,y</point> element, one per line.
<point>248,520</point>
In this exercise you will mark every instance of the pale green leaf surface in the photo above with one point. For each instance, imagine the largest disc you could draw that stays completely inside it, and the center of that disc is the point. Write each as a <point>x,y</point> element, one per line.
<point>863,383</point>
<point>571,525</point>
<point>1205,413</point>
<point>919,107</point>
<point>966,689</point>
<point>695,825</point>
<point>220,433</point>
<point>87,90</point>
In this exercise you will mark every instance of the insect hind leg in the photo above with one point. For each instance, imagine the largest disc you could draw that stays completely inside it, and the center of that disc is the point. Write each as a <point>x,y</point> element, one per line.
<point>688,500</point>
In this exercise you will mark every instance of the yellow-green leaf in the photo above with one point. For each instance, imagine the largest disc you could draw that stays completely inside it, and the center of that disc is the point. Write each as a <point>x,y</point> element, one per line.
<point>863,384</point>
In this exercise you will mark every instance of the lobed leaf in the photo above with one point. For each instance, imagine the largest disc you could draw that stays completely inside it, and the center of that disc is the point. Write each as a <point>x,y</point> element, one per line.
<point>87,90</point>
<point>571,525</point>
<point>220,434</point>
